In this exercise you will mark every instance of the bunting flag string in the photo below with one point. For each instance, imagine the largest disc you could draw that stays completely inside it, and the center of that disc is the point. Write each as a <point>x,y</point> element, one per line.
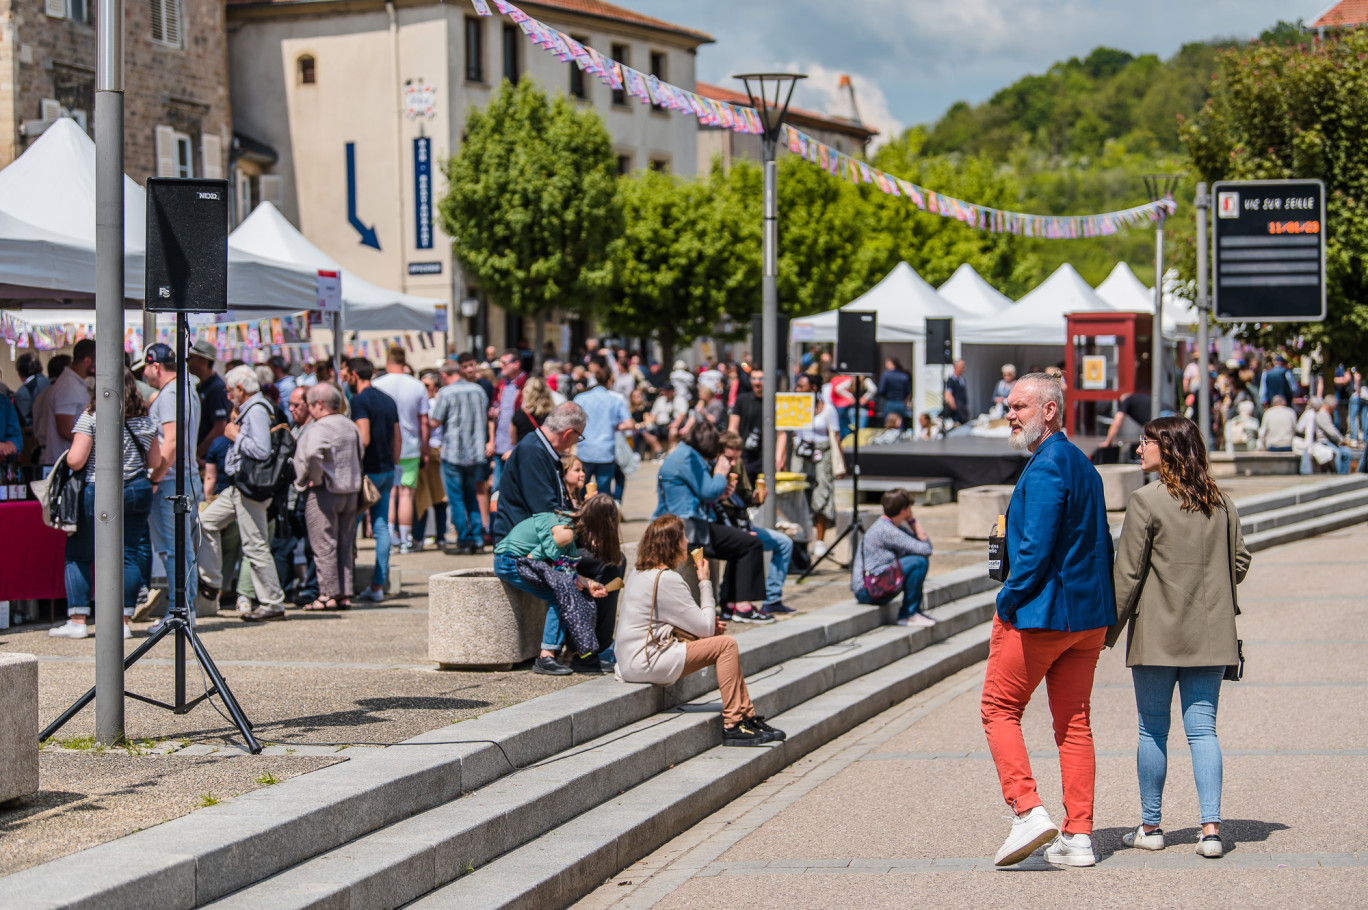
<point>649,89</point>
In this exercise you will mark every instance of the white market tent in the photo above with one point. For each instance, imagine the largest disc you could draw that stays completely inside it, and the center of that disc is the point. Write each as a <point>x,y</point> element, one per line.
<point>902,301</point>
<point>47,234</point>
<point>1039,317</point>
<point>968,290</point>
<point>1124,291</point>
<point>267,235</point>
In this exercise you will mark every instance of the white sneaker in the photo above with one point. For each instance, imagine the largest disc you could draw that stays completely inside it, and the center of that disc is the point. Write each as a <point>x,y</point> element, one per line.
<point>1071,850</point>
<point>818,549</point>
<point>1029,831</point>
<point>71,629</point>
<point>127,633</point>
<point>1210,846</point>
<point>916,621</point>
<point>244,604</point>
<point>1144,840</point>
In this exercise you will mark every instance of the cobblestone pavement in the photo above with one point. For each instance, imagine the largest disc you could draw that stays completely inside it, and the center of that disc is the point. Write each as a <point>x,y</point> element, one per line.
<point>313,686</point>
<point>906,809</point>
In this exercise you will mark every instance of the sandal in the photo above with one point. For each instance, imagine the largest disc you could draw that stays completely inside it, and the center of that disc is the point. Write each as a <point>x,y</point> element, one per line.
<point>340,605</point>
<point>318,605</point>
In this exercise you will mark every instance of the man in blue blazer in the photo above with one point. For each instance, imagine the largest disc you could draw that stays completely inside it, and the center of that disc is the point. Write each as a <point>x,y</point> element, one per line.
<point>1052,617</point>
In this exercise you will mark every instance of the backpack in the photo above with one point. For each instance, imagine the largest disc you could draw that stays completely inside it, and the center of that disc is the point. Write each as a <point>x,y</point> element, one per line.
<point>269,477</point>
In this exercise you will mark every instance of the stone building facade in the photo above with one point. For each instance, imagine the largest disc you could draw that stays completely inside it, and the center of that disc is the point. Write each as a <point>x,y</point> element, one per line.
<point>176,108</point>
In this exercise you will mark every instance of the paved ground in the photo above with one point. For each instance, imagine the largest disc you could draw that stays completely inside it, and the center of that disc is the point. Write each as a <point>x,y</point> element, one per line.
<point>315,685</point>
<point>906,808</point>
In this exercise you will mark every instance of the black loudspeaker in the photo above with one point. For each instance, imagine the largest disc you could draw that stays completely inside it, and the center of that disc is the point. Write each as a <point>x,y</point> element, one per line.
<point>940,343</point>
<point>857,350</point>
<point>758,342</point>
<point>187,246</point>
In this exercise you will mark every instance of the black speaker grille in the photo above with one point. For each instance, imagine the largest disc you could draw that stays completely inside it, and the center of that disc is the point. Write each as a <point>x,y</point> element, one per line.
<point>187,246</point>
<point>857,349</point>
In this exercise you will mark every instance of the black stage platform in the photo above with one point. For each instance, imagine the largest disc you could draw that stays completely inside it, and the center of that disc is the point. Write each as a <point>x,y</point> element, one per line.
<point>969,461</point>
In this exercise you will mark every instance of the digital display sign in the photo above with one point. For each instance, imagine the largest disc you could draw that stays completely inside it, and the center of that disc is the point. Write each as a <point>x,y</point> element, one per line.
<point>1269,251</point>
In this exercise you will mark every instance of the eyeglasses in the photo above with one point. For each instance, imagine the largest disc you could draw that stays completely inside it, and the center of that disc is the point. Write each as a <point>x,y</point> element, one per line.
<point>1145,442</point>
<point>579,437</point>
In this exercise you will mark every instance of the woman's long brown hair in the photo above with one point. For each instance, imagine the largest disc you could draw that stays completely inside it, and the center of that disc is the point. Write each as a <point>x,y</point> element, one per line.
<point>597,524</point>
<point>1183,464</point>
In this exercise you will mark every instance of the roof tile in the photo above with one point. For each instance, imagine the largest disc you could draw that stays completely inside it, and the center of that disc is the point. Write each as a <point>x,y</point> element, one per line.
<point>1345,14</point>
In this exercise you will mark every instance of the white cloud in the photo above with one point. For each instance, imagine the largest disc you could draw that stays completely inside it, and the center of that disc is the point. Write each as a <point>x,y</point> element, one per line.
<point>822,92</point>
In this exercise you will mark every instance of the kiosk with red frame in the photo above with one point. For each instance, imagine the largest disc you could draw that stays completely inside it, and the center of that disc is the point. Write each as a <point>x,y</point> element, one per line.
<point>1106,358</point>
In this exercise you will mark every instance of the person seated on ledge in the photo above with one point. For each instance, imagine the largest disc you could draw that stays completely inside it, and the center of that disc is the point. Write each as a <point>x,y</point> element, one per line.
<point>663,634</point>
<point>895,538</point>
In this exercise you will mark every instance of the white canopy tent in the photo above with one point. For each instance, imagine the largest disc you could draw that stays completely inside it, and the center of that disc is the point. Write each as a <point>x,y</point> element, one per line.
<point>1124,291</point>
<point>1039,317</point>
<point>269,236</point>
<point>968,290</point>
<point>47,234</point>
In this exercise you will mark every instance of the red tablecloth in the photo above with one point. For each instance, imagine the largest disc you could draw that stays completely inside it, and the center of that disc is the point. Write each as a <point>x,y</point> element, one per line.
<point>32,555</point>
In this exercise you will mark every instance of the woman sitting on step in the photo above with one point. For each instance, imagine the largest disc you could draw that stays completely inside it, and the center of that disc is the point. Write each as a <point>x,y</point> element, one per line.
<point>663,633</point>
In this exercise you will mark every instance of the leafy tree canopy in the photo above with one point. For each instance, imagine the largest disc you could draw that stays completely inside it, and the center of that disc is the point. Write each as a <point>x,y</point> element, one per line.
<point>532,204</point>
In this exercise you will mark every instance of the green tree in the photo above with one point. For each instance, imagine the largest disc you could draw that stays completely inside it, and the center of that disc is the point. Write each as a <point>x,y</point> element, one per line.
<point>1285,111</point>
<point>686,260</point>
<point>532,203</point>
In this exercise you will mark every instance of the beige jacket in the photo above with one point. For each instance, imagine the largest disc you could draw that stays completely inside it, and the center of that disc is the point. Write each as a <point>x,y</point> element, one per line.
<point>328,454</point>
<point>1175,578</point>
<point>648,652</point>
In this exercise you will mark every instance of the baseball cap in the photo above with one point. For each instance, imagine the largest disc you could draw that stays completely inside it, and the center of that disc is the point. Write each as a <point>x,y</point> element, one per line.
<point>156,353</point>
<point>203,348</point>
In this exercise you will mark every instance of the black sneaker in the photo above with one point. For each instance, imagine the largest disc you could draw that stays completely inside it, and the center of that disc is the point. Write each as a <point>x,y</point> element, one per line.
<point>779,607</point>
<point>743,734</point>
<point>587,664</point>
<point>548,666</point>
<point>753,615</point>
<point>726,614</point>
<point>758,722</point>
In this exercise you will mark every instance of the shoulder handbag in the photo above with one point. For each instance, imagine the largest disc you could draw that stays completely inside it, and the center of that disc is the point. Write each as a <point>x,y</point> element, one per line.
<point>651,639</point>
<point>369,494</point>
<point>1234,672</point>
<point>886,582</point>
<point>261,479</point>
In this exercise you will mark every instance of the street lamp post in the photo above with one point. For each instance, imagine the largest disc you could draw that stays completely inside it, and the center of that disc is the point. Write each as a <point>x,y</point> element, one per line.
<point>766,91</point>
<point>1159,187</point>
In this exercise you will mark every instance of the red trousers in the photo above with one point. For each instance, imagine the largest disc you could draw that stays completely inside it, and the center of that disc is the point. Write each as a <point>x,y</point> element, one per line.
<point>1017,661</point>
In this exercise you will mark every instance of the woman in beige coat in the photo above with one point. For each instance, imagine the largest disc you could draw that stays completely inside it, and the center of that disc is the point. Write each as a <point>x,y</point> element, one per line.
<point>656,605</point>
<point>1179,559</point>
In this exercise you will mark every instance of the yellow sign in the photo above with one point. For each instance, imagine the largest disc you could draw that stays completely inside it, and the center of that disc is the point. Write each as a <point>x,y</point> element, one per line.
<point>793,410</point>
<point>1094,372</point>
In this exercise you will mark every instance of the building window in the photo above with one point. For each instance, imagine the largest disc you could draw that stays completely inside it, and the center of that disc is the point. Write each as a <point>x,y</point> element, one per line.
<point>75,10</point>
<point>307,73</point>
<point>474,49</point>
<point>624,164</point>
<point>660,71</point>
<point>175,153</point>
<point>622,54</point>
<point>662,165</point>
<point>578,89</point>
<point>512,42</point>
<point>166,22</point>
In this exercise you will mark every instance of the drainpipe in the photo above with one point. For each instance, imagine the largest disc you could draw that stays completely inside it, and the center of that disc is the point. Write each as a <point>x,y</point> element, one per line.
<point>398,134</point>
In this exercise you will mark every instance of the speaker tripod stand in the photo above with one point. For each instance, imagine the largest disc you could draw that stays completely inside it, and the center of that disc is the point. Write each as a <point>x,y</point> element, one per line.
<point>179,621</point>
<point>855,530</point>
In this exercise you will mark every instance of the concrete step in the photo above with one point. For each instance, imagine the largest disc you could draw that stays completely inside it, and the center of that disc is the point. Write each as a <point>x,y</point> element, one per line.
<point>412,857</point>
<point>1305,511</point>
<point>569,862</point>
<point>1301,530</point>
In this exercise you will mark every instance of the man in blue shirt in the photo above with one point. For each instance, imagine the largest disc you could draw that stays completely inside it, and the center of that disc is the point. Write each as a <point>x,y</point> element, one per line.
<point>606,413</point>
<point>1052,617</point>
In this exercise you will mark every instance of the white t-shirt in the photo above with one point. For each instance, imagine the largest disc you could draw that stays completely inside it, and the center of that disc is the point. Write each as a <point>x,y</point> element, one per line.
<point>68,396</point>
<point>411,398</point>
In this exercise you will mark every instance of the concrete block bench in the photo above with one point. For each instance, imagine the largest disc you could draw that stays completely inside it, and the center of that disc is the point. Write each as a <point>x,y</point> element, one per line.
<point>362,575</point>
<point>18,726</point>
<point>477,621</point>
<point>1119,481</point>
<point>979,508</point>
<point>1233,464</point>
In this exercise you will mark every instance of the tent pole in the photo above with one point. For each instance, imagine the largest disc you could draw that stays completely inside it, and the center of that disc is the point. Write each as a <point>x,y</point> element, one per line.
<point>109,380</point>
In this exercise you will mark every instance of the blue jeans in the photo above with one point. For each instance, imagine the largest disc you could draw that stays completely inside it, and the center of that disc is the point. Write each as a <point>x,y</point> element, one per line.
<point>781,548</point>
<point>460,481</point>
<point>1199,690</point>
<point>137,551</point>
<point>498,473</point>
<point>1358,418</point>
<point>379,513</point>
<point>1344,459</point>
<point>602,473</point>
<point>506,568</point>
<point>162,523</point>
<point>914,575</point>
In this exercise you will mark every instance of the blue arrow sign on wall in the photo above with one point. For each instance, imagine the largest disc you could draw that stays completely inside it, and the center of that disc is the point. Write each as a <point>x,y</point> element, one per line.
<point>368,237</point>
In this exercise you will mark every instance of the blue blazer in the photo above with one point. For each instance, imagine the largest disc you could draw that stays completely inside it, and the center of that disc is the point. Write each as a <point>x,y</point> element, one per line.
<point>1059,548</point>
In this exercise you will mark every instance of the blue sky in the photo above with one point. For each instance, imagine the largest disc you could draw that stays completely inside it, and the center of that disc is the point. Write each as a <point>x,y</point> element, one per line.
<point>912,59</point>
